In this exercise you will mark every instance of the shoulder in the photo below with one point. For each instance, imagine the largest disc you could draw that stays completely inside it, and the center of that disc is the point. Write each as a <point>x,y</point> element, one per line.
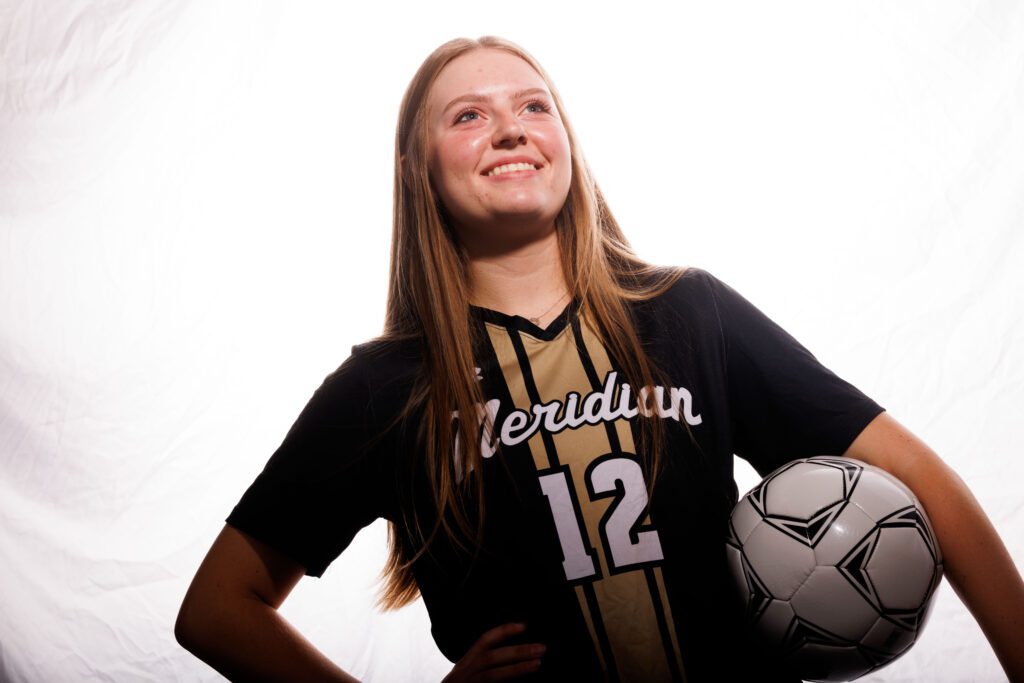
<point>697,292</point>
<point>682,313</point>
<point>393,348</point>
<point>691,291</point>
<point>379,359</point>
<point>696,282</point>
<point>378,375</point>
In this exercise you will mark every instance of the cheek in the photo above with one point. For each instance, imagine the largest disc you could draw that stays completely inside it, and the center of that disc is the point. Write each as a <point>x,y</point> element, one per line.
<point>554,143</point>
<point>565,158</point>
<point>450,189</point>
<point>458,156</point>
<point>444,175</point>
<point>452,165</point>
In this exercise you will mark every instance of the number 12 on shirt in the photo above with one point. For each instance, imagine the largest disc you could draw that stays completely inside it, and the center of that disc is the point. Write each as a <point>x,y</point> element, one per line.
<point>627,544</point>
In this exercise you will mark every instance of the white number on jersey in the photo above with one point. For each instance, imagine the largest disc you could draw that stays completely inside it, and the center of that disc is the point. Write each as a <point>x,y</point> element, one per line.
<point>623,478</point>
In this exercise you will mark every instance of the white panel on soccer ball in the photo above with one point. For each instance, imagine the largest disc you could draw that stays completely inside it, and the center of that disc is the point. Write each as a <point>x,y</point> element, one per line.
<point>782,563</point>
<point>844,533</point>
<point>901,568</point>
<point>881,496</point>
<point>837,663</point>
<point>774,622</point>
<point>886,636</point>
<point>830,602</point>
<point>804,490</point>
<point>744,518</point>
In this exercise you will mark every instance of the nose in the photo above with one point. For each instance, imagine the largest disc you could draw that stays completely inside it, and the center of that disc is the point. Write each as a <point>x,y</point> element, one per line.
<point>509,132</point>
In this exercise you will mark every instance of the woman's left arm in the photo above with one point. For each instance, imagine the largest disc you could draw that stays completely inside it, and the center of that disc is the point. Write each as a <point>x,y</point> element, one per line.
<point>976,562</point>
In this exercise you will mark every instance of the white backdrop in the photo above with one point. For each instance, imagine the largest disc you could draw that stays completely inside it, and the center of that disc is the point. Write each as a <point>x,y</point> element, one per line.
<point>194,219</point>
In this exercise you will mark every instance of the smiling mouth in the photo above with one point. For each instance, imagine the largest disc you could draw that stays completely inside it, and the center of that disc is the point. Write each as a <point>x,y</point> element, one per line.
<point>510,168</point>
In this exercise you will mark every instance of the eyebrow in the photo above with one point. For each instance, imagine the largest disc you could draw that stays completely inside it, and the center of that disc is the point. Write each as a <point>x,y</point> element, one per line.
<point>476,97</point>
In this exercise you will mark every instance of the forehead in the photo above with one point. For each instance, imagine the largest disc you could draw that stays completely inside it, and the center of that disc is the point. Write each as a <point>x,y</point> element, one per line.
<point>485,72</point>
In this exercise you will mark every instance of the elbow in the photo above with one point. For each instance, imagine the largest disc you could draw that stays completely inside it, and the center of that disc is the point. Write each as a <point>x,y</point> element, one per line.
<point>183,631</point>
<point>189,626</point>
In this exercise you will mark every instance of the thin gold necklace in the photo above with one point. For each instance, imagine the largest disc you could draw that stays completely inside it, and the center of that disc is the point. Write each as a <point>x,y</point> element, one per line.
<point>536,321</point>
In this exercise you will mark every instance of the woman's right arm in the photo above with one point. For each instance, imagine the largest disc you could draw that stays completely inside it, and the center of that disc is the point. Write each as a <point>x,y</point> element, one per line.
<point>229,619</point>
<point>229,616</point>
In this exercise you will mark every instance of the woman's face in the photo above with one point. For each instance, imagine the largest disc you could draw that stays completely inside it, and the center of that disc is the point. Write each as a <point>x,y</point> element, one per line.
<point>497,151</point>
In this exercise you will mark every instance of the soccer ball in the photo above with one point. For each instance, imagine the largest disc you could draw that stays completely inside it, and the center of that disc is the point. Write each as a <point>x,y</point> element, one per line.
<point>836,564</point>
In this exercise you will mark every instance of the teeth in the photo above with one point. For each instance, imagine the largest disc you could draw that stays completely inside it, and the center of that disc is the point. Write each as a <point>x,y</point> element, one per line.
<point>511,167</point>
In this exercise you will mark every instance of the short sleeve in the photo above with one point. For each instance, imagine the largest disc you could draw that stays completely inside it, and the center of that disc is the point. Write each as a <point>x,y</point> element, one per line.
<point>326,481</point>
<point>784,404</point>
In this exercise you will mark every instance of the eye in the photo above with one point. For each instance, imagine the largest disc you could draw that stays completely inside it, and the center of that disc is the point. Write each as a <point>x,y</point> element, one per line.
<point>466,115</point>
<point>538,106</point>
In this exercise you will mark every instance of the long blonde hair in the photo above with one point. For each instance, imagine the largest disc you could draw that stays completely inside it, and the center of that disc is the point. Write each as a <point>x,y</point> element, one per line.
<point>428,299</point>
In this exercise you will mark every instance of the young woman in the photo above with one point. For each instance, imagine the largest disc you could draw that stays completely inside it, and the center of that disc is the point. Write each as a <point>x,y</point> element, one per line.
<point>548,424</point>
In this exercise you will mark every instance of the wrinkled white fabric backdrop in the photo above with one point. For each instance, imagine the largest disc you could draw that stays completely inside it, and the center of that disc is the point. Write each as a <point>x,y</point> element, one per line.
<point>194,220</point>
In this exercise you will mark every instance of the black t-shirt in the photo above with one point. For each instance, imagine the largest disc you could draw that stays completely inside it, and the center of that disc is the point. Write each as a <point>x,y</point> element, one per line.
<point>618,587</point>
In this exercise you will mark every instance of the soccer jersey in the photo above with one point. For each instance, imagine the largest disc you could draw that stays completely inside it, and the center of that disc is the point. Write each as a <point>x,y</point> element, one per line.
<point>619,587</point>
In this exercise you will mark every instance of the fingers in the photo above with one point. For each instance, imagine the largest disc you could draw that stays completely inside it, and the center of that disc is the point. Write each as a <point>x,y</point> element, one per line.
<point>510,672</point>
<point>512,654</point>
<point>497,635</point>
<point>488,661</point>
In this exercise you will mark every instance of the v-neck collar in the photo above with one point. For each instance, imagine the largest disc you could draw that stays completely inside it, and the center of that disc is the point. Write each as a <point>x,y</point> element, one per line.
<point>518,322</point>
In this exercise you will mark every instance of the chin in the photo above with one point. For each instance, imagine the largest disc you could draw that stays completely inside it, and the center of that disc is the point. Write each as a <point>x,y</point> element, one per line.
<point>508,230</point>
<point>524,217</point>
<point>528,209</point>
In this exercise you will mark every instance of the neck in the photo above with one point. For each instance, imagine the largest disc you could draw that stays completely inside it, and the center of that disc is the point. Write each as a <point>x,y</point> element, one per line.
<point>524,281</point>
